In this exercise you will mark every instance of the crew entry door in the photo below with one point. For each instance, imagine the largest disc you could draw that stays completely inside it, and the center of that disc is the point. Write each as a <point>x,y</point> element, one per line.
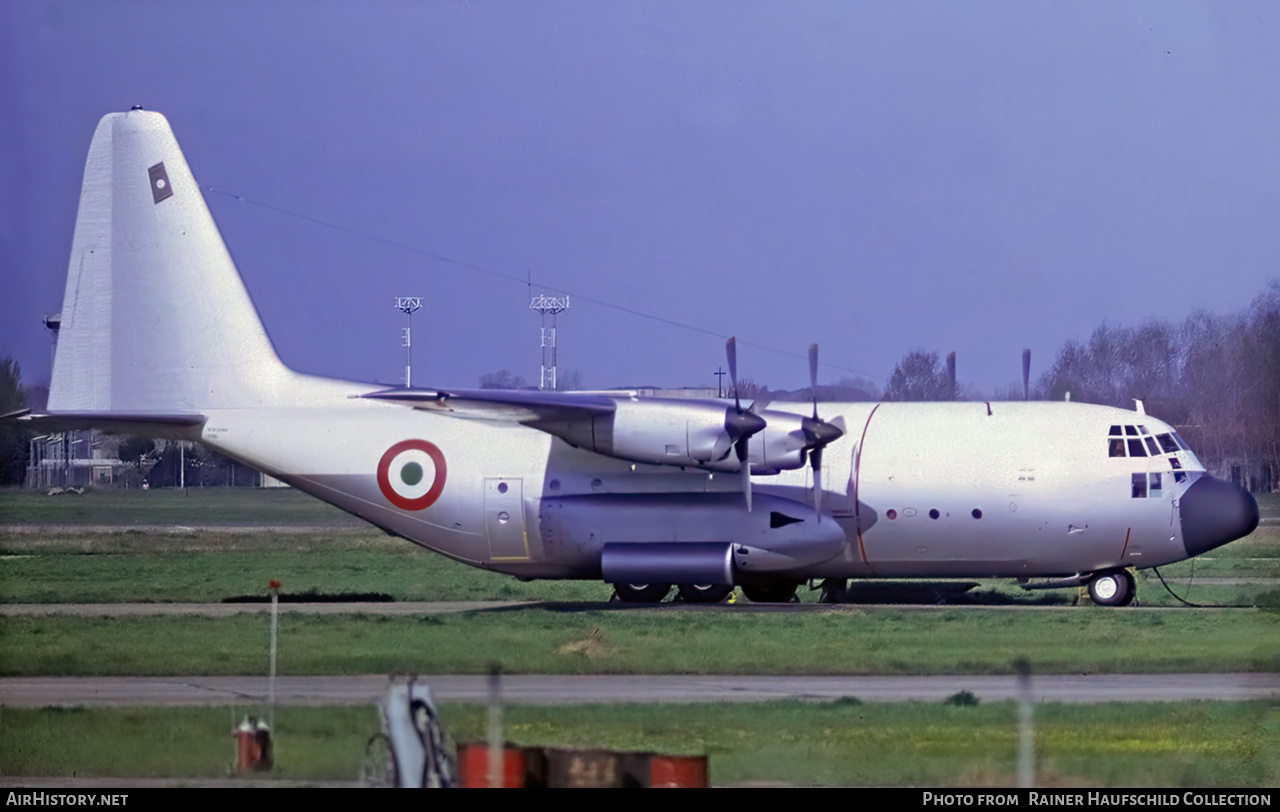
<point>504,519</point>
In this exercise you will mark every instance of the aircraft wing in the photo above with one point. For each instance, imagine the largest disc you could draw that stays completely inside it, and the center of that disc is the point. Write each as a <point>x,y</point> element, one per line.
<point>514,405</point>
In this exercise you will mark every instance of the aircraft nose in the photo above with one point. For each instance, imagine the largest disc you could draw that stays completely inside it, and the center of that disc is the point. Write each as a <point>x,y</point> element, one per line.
<point>1214,512</point>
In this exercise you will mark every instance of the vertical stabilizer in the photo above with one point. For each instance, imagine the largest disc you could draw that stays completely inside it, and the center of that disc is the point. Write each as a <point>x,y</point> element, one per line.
<point>155,316</point>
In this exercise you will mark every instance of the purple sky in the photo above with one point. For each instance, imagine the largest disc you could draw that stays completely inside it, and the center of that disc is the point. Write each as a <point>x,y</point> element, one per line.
<point>978,177</point>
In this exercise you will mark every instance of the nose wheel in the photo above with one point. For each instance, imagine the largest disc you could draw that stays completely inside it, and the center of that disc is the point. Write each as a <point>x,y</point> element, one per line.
<point>1112,588</point>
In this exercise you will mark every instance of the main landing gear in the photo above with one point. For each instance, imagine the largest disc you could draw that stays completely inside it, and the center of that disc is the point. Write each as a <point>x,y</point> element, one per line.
<point>774,592</point>
<point>704,593</point>
<point>1112,588</point>
<point>655,593</point>
<point>641,593</point>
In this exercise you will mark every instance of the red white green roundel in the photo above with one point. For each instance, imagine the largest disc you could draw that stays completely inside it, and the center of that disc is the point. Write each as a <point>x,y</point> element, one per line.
<point>411,474</point>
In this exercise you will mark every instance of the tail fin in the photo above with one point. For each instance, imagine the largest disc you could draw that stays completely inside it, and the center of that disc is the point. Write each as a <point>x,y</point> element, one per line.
<point>155,316</point>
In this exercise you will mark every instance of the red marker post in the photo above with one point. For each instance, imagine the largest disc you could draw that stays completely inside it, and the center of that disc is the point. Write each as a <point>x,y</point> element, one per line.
<point>274,588</point>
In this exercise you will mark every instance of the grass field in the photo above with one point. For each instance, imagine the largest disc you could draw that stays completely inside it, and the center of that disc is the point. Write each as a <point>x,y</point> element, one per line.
<point>239,547</point>
<point>841,640</point>
<point>845,743</point>
<point>1136,744</point>
<point>171,506</point>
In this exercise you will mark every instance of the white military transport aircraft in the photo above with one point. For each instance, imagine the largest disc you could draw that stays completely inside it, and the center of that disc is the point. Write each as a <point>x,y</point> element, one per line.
<point>159,337</point>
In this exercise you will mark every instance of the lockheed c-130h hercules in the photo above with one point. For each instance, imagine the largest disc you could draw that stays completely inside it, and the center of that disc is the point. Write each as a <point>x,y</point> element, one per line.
<point>158,336</point>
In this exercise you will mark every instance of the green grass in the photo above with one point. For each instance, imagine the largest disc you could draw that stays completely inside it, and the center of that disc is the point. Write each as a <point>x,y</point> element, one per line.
<point>333,553</point>
<point>210,565</point>
<point>835,641</point>
<point>310,743</point>
<point>234,506</point>
<point>845,743</point>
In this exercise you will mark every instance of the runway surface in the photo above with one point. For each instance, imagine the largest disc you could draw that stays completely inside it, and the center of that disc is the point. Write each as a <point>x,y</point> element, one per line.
<point>568,689</point>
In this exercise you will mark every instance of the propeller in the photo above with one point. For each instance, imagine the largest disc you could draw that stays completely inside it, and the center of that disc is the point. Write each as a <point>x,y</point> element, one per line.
<point>951,376</point>
<point>817,432</point>
<point>1026,374</point>
<point>740,424</point>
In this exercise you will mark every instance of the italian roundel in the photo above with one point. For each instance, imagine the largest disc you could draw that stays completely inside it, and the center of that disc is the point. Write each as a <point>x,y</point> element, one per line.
<point>411,474</point>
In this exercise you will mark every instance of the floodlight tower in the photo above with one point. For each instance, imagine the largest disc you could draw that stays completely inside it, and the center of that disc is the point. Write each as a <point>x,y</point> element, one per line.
<point>407,305</point>
<point>549,307</point>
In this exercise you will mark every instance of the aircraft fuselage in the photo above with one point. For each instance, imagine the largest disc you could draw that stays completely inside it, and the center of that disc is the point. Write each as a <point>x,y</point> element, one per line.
<point>913,489</point>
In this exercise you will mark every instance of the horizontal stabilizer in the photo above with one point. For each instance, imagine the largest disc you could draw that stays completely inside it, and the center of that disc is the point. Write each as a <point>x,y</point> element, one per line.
<point>144,423</point>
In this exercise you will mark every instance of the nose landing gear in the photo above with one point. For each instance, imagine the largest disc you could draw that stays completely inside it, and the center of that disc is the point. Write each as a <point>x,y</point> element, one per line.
<point>1112,588</point>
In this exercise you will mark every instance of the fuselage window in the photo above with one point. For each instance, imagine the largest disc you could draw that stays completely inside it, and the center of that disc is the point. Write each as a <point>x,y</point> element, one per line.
<point>1135,448</point>
<point>1153,487</point>
<point>1139,486</point>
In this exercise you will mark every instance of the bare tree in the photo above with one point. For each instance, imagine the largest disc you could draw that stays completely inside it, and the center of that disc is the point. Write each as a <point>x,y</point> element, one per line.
<point>502,379</point>
<point>568,381</point>
<point>918,376</point>
<point>13,440</point>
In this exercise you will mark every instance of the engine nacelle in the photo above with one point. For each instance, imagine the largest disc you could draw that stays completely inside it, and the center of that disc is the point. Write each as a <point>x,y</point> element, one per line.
<point>687,433</point>
<point>653,430</point>
<point>780,446</point>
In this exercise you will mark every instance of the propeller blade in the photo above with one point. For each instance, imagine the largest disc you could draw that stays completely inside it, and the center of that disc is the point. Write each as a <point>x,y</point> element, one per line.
<point>1026,374</point>
<point>762,400</point>
<point>815,459</point>
<point>813,377</point>
<point>951,376</point>
<point>731,350</point>
<point>818,432</point>
<point>739,423</point>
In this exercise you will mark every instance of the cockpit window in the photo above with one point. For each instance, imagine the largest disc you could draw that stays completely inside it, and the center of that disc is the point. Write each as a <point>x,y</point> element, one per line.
<point>1139,486</point>
<point>1138,441</point>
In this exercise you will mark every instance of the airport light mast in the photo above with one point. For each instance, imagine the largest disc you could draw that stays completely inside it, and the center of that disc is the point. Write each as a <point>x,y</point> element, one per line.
<point>549,307</point>
<point>407,305</point>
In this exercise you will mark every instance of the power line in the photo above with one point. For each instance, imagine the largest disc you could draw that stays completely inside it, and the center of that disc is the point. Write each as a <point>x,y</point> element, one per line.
<point>471,266</point>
